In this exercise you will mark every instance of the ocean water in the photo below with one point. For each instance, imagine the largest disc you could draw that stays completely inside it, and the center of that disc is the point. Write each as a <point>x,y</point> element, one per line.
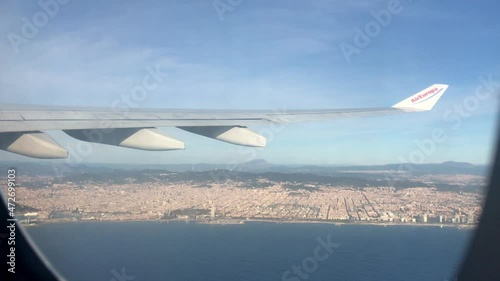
<point>126,251</point>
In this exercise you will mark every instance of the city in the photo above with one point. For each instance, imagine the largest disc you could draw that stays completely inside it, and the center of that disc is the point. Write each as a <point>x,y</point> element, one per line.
<point>278,197</point>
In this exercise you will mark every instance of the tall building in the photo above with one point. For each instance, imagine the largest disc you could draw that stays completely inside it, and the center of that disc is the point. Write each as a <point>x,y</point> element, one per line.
<point>471,218</point>
<point>422,218</point>
<point>212,212</point>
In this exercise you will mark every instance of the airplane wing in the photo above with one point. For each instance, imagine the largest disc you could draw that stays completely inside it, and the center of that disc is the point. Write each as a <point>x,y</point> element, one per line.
<point>21,126</point>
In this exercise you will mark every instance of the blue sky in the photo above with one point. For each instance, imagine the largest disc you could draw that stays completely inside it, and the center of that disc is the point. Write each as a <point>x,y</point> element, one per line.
<point>266,55</point>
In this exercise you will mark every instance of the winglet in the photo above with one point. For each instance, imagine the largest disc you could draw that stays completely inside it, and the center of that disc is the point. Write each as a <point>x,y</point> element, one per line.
<point>423,100</point>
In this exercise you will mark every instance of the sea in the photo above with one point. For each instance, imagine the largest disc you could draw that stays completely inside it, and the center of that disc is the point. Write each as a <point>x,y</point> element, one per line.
<point>257,251</point>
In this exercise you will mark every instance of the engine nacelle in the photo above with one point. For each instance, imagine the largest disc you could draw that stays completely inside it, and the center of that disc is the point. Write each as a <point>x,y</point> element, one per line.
<point>138,138</point>
<point>32,144</point>
<point>231,134</point>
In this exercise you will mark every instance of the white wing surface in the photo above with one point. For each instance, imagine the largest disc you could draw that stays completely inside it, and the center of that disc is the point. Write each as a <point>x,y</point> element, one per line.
<point>21,127</point>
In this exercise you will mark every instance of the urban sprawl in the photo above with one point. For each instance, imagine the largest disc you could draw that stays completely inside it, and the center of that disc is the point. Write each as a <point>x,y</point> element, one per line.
<point>45,199</point>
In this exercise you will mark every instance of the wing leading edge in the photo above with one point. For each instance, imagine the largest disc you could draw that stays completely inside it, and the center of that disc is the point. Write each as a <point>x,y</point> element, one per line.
<point>21,126</point>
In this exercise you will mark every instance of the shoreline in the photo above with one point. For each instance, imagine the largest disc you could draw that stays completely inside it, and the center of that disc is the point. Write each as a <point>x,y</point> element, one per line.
<point>245,221</point>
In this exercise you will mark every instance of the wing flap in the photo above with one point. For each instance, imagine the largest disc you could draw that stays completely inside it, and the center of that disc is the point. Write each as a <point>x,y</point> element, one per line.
<point>10,116</point>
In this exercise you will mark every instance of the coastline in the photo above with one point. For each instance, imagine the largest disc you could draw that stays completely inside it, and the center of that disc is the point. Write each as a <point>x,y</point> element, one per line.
<point>274,221</point>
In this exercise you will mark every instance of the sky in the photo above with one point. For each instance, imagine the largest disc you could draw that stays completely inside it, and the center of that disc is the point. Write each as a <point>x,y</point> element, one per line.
<point>277,55</point>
